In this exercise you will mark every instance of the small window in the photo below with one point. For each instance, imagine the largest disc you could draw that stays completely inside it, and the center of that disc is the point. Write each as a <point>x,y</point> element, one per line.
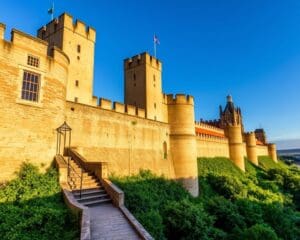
<point>33,61</point>
<point>134,77</point>
<point>154,79</point>
<point>30,86</point>
<point>78,48</point>
<point>78,58</point>
<point>165,150</point>
<point>154,117</point>
<point>154,105</point>
<point>76,83</point>
<point>76,99</point>
<point>134,84</point>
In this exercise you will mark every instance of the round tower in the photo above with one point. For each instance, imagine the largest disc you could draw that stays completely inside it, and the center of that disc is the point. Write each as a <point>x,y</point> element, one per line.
<point>272,151</point>
<point>183,141</point>
<point>251,147</point>
<point>235,140</point>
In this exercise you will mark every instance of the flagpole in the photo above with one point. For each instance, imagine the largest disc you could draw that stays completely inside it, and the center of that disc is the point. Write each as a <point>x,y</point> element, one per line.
<point>52,14</point>
<point>154,47</point>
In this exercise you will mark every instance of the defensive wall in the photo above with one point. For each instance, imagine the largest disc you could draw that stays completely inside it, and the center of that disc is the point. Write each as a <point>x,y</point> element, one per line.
<point>120,135</point>
<point>162,137</point>
<point>27,131</point>
<point>211,142</point>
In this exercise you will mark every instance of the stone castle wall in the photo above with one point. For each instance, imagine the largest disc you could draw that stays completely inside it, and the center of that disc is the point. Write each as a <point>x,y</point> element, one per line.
<point>126,141</point>
<point>27,131</point>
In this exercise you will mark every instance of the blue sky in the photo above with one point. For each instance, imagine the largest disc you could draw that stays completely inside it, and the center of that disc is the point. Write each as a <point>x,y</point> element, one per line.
<point>249,49</point>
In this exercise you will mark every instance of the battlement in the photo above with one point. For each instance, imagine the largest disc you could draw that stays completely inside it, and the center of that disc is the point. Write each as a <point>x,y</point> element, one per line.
<point>209,127</point>
<point>142,59</point>
<point>121,108</point>
<point>36,46</point>
<point>210,138</point>
<point>2,30</point>
<point>180,99</point>
<point>66,21</point>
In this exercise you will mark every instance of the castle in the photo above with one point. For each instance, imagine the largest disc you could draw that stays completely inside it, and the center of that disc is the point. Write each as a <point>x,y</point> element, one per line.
<point>48,80</point>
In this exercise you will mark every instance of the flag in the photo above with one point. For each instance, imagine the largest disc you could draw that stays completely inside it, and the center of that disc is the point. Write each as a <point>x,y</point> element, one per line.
<point>156,40</point>
<point>50,10</point>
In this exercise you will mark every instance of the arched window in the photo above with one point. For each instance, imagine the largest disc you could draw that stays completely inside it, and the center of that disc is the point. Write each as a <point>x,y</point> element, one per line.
<point>165,149</point>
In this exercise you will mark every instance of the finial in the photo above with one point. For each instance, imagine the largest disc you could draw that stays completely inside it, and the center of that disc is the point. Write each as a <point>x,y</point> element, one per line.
<point>229,98</point>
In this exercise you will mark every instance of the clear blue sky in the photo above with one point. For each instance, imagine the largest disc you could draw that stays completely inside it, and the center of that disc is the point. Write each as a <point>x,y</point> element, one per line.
<point>250,49</point>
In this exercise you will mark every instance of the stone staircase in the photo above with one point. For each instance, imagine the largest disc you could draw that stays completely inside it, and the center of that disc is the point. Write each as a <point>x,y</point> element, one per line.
<point>92,193</point>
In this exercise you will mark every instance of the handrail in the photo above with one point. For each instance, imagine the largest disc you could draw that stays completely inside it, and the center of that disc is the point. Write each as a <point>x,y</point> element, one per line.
<point>79,175</point>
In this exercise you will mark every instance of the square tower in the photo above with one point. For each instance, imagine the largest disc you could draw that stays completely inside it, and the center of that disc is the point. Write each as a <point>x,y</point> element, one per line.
<point>143,85</point>
<point>78,42</point>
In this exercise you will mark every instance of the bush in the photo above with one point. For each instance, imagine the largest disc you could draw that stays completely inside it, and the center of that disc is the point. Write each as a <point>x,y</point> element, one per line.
<point>258,232</point>
<point>184,220</point>
<point>31,207</point>
<point>258,204</point>
<point>228,187</point>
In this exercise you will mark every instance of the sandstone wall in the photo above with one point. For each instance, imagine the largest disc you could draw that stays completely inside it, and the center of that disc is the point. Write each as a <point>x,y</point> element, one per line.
<point>212,147</point>
<point>120,136</point>
<point>262,150</point>
<point>27,129</point>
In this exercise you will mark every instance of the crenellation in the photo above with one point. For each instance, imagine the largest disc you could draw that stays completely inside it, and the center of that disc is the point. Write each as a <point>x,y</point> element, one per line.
<point>95,101</point>
<point>130,109</point>
<point>2,30</point>
<point>210,127</point>
<point>66,21</point>
<point>119,107</point>
<point>207,137</point>
<point>141,112</point>
<point>140,59</point>
<point>180,99</point>
<point>105,104</point>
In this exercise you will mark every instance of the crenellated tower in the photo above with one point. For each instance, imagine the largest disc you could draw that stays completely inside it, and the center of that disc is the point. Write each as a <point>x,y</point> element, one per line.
<point>78,42</point>
<point>143,85</point>
<point>183,140</point>
<point>231,122</point>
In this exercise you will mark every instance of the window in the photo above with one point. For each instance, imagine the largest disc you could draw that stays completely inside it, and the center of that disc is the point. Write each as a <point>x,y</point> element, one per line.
<point>78,48</point>
<point>76,83</point>
<point>134,77</point>
<point>33,61</point>
<point>154,105</point>
<point>165,150</point>
<point>76,99</point>
<point>154,78</point>
<point>30,86</point>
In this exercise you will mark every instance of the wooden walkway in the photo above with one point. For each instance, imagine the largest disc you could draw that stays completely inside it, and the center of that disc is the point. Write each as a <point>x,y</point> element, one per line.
<point>109,223</point>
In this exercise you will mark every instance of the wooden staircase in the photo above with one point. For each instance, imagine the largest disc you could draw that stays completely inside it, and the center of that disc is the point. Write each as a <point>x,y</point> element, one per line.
<point>86,188</point>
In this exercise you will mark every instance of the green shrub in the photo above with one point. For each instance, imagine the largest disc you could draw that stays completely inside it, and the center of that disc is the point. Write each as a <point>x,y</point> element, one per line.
<point>228,187</point>
<point>185,220</point>
<point>257,204</point>
<point>258,232</point>
<point>31,207</point>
